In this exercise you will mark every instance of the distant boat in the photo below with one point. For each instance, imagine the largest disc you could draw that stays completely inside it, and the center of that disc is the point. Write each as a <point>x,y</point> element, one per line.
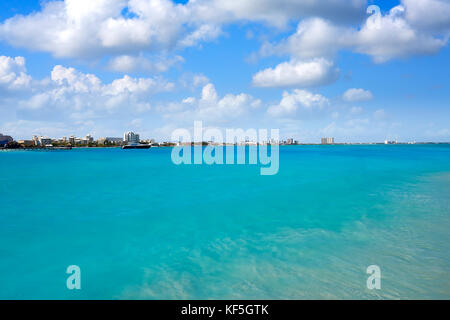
<point>137,146</point>
<point>62,148</point>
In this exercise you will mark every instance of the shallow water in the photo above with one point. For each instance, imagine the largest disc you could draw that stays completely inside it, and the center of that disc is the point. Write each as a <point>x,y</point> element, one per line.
<point>141,227</point>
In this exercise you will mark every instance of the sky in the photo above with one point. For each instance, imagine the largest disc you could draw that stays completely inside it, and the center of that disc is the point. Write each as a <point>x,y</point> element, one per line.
<point>355,70</point>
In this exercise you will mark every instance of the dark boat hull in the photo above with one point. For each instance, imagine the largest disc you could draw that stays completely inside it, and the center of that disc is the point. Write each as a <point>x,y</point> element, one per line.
<point>141,146</point>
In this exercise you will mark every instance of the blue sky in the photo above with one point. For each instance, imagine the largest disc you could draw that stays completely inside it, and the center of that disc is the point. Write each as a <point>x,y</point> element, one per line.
<point>310,68</point>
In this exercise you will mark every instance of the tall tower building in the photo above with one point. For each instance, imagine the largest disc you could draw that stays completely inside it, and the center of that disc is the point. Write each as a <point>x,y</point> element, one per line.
<point>131,137</point>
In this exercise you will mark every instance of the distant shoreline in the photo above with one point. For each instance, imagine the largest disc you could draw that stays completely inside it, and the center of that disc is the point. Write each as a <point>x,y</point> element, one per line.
<point>227,145</point>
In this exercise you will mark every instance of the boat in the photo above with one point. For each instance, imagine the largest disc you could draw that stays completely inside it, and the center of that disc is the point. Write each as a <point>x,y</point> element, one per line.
<point>137,146</point>
<point>62,148</point>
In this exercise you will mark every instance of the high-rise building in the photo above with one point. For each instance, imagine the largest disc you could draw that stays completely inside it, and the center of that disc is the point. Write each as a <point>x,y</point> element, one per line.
<point>41,141</point>
<point>327,141</point>
<point>45,141</point>
<point>35,139</point>
<point>131,137</point>
<point>110,140</point>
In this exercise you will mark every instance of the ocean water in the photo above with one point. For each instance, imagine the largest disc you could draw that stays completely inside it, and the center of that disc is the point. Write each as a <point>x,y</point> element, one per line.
<point>140,227</point>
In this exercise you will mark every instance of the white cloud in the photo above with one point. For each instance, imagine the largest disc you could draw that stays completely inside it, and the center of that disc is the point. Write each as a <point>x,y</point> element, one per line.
<point>189,100</point>
<point>69,92</point>
<point>199,80</point>
<point>128,84</point>
<point>400,33</point>
<point>210,107</point>
<point>209,93</point>
<point>297,73</point>
<point>13,74</point>
<point>204,33</point>
<point>291,102</point>
<point>352,128</point>
<point>431,15</point>
<point>314,37</point>
<point>127,63</point>
<point>38,101</point>
<point>124,29</point>
<point>357,122</point>
<point>356,95</point>
<point>391,36</point>
<point>75,81</point>
<point>135,123</point>
<point>27,128</point>
<point>356,110</point>
<point>86,28</point>
<point>277,13</point>
<point>65,29</point>
<point>379,114</point>
<point>192,81</point>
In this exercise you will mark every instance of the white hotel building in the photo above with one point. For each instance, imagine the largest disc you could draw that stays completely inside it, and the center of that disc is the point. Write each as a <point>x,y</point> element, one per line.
<point>131,137</point>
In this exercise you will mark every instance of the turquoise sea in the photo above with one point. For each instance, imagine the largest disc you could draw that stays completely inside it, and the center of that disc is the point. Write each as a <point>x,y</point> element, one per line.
<point>140,227</point>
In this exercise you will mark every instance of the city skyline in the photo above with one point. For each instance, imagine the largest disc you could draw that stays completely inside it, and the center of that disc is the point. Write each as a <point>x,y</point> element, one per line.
<point>326,69</point>
<point>134,137</point>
